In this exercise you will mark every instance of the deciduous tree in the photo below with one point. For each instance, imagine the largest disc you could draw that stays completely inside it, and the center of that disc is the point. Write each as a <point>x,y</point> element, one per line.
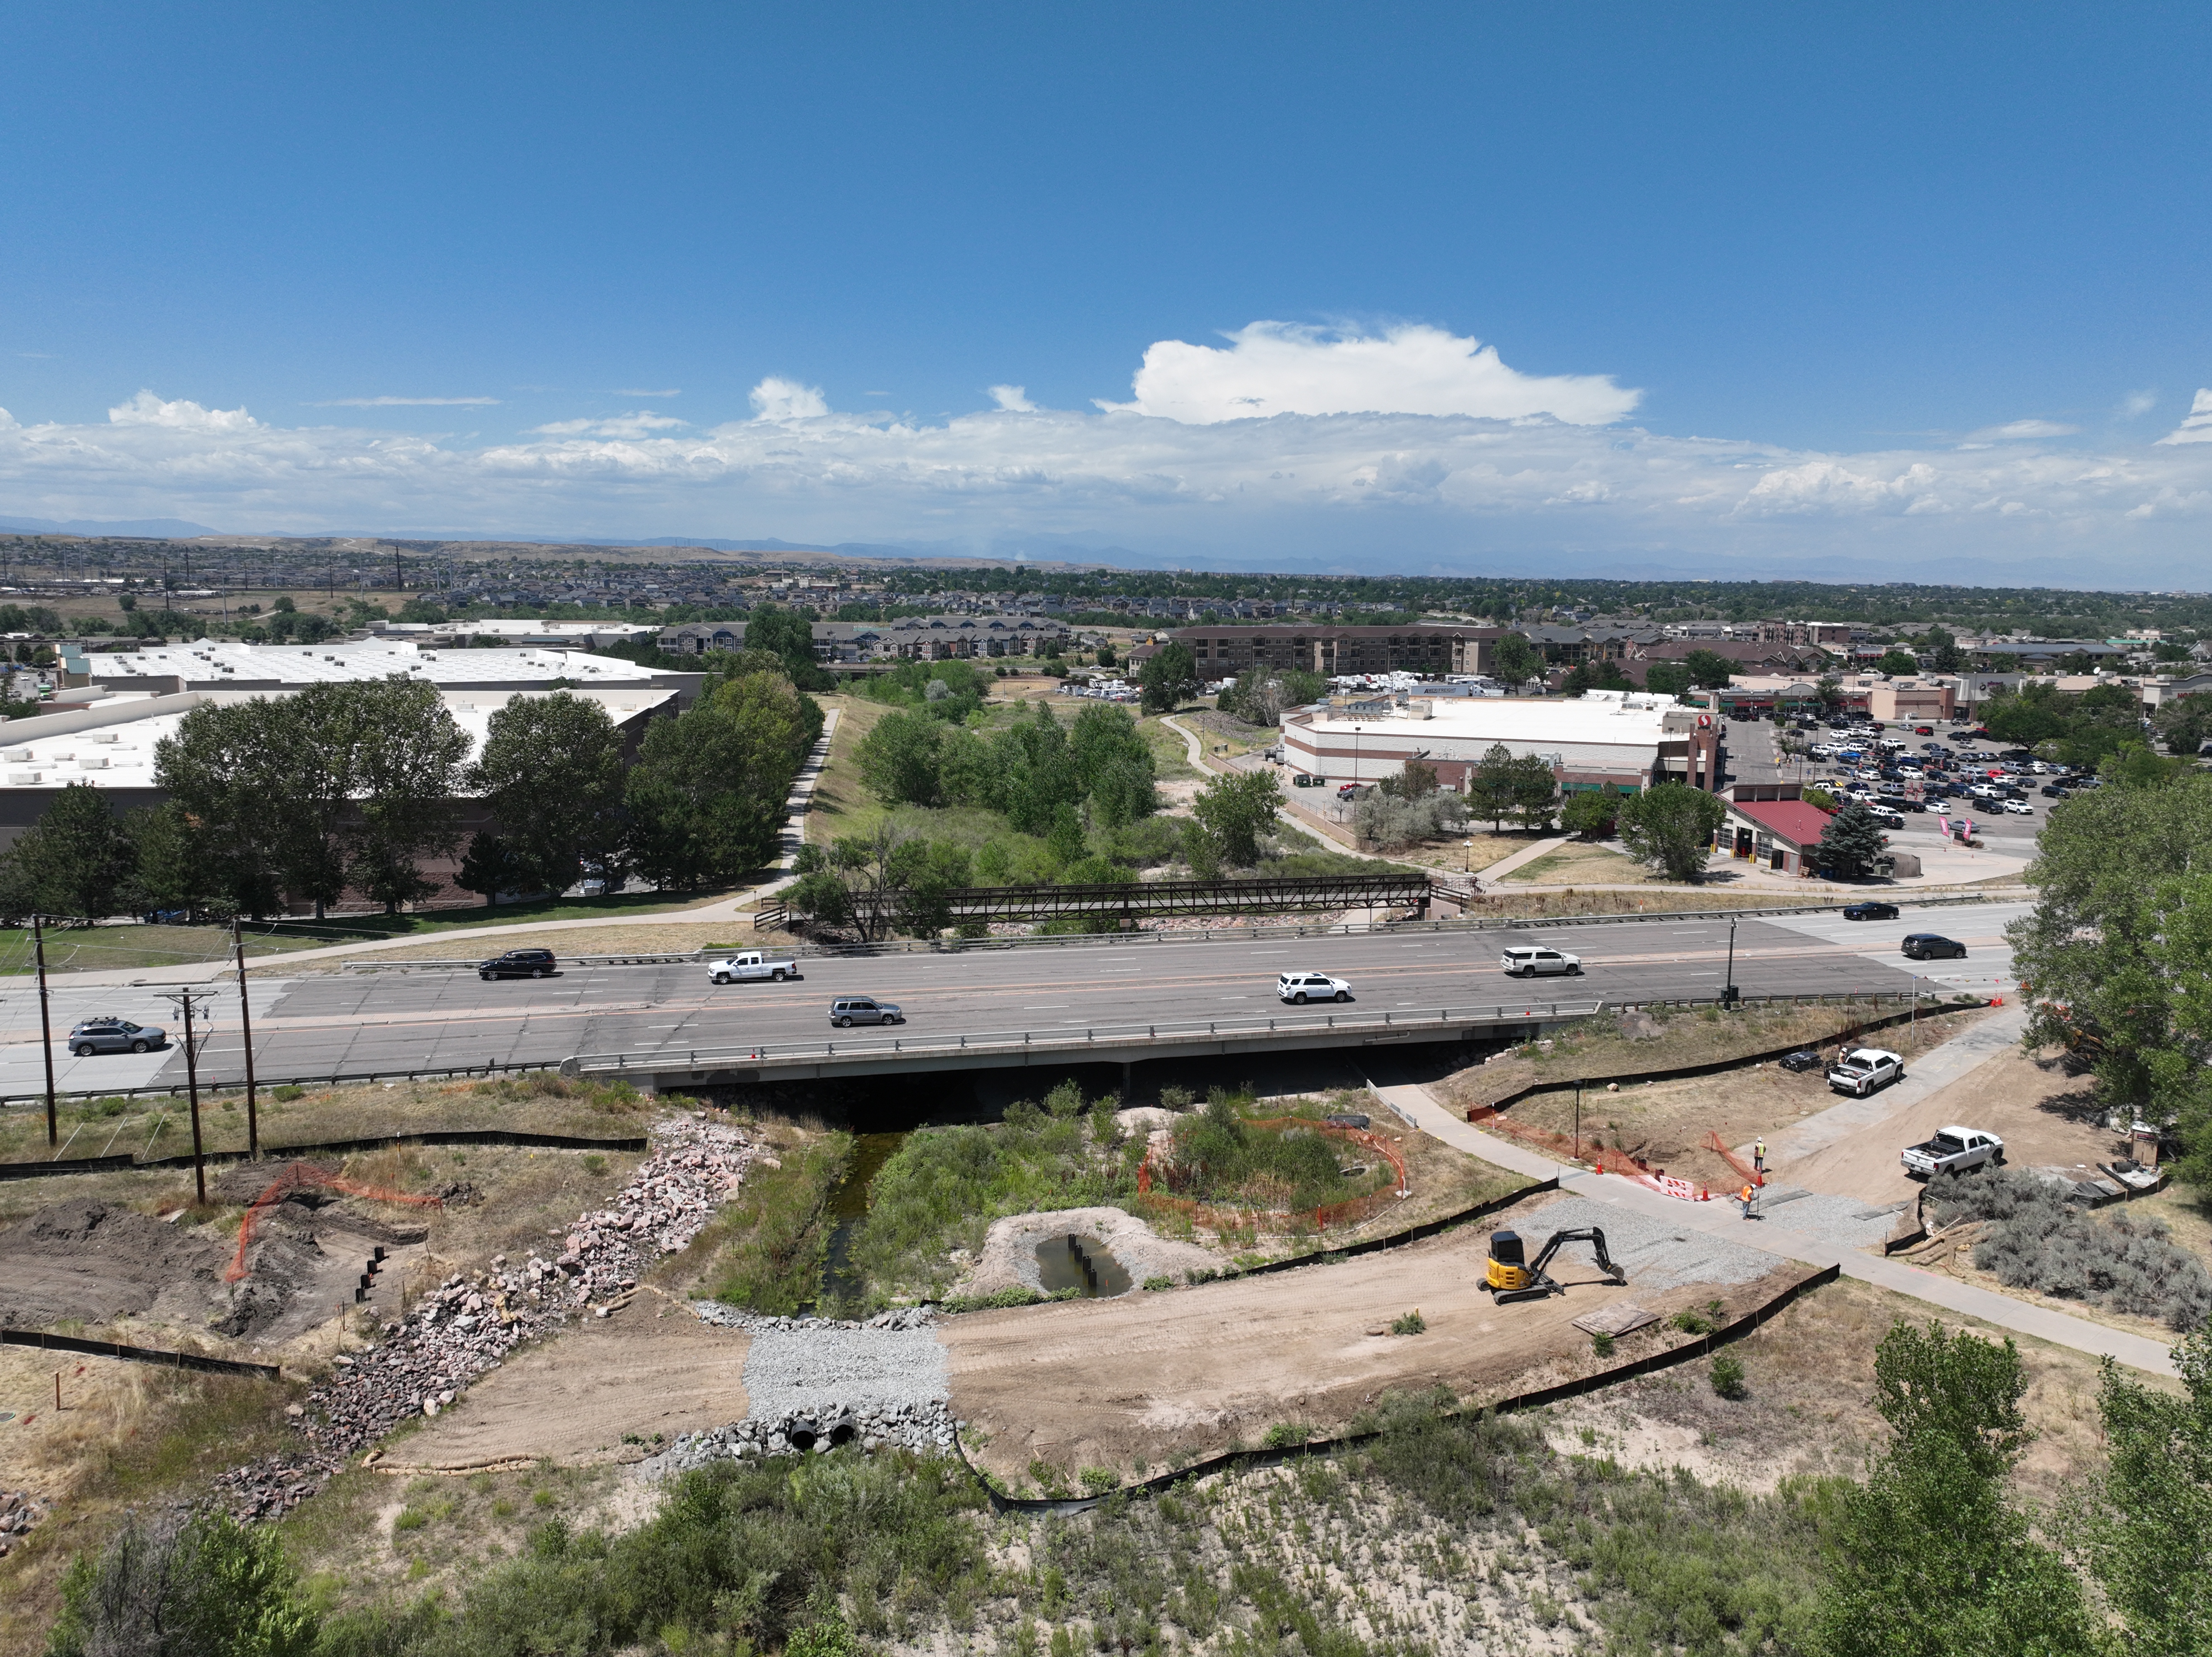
<point>1234,811</point>
<point>552,773</point>
<point>77,860</point>
<point>1671,827</point>
<point>1168,679</point>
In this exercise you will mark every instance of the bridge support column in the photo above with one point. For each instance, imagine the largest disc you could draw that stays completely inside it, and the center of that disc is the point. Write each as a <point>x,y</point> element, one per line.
<point>1128,1082</point>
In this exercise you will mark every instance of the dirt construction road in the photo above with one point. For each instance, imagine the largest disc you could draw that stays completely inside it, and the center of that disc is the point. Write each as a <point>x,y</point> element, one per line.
<point>572,1398</point>
<point>1111,1382</point>
<point>2040,1108</point>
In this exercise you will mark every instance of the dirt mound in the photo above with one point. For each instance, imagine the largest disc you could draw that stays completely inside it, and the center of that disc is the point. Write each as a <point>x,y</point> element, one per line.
<point>1009,1260</point>
<point>244,1182</point>
<point>93,1261</point>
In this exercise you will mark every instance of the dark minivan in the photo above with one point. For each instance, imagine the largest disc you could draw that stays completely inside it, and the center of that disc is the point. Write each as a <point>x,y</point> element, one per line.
<point>517,963</point>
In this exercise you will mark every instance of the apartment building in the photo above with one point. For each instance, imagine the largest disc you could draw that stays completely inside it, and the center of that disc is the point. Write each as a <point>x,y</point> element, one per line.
<point>1423,647</point>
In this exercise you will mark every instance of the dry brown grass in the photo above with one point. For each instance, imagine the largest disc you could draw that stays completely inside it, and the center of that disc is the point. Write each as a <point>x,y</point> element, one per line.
<point>1808,1407</point>
<point>1666,1122</point>
<point>839,795</point>
<point>1582,861</point>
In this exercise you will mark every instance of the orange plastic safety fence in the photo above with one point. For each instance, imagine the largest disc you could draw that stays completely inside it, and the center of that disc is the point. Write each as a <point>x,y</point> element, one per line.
<point>1744,1169</point>
<point>298,1176</point>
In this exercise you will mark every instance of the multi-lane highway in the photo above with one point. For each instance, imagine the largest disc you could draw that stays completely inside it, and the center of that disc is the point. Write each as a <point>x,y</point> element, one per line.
<point>341,1023</point>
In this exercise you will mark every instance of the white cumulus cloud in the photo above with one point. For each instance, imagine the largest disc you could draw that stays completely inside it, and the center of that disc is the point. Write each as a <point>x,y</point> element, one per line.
<point>641,424</point>
<point>1014,399</point>
<point>1280,367</point>
<point>2198,427</point>
<point>2137,404</point>
<point>147,409</point>
<point>778,398</point>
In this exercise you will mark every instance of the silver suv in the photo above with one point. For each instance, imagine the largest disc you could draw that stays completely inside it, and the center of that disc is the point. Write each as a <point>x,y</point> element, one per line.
<point>1532,960</point>
<point>847,1011</point>
<point>115,1035</point>
<point>1302,987</point>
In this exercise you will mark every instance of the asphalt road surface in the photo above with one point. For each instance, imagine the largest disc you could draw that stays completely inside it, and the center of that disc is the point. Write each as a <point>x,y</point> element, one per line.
<point>343,1023</point>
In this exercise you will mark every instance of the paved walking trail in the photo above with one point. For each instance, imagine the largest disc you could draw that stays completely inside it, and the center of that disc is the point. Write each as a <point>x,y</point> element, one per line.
<point>1935,1068</point>
<point>1523,857</point>
<point>722,909</point>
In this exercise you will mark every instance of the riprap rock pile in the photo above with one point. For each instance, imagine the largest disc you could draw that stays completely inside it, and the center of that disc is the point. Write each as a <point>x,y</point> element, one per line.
<point>926,1428</point>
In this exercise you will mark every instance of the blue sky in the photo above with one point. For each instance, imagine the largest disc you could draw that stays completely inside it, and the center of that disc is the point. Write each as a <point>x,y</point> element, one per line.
<point>1770,290</point>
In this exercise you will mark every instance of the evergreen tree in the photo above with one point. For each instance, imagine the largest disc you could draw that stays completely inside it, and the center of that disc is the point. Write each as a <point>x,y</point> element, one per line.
<point>490,867</point>
<point>1850,842</point>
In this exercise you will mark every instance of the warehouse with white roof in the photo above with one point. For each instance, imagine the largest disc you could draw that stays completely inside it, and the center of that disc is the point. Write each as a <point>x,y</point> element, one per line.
<point>1622,740</point>
<point>228,665</point>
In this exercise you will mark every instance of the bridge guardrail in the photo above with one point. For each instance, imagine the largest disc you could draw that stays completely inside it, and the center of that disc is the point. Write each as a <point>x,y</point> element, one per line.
<point>1067,1037</point>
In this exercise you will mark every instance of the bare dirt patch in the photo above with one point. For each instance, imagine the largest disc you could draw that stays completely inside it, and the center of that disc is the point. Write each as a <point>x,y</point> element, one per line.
<point>1601,1048</point>
<point>597,1393</point>
<point>1808,1406</point>
<point>2041,1107</point>
<point>1150,1378</point>
<point>1666,1122</point>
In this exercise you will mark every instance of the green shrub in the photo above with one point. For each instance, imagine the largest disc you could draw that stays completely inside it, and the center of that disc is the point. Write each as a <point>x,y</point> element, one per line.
<point>595,1164</point>
<point>775,1239</point>
<point>1218,1156</point>
<point>196,1583</point>
<point>288,1093</point>
<point>410,1518</point>
<point>1097,1481</point>
<point>1409,1323</point>
<point>1601,1344</point>
<point>1728,1374</point>
<point>1288,1435</point>
<point>1157,1283</point>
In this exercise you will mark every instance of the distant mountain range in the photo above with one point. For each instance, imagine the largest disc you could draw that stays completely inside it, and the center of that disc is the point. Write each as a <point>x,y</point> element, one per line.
<point>160,527</point>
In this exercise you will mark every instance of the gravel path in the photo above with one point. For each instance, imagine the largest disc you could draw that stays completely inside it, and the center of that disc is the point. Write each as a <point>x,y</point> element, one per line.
<point>1657,1254</point>
<point>1846,1222</point>
<point>793,1371</point>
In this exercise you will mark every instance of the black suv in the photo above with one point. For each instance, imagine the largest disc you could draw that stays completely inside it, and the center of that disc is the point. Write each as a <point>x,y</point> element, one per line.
<point>1932,946</point>
<point>1871,911</point>
<point>517,963</point>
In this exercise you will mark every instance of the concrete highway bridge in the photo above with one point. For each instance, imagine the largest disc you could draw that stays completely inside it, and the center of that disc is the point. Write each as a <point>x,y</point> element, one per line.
<point>1125,999</point>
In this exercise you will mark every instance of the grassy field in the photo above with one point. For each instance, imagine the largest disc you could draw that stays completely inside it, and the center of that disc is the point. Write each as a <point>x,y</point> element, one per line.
<point>1579,860</point>
<point>119,948</point>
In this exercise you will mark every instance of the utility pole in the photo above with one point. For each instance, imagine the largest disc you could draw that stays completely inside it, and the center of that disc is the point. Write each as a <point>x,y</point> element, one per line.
<point>186,998</point>
<point>398,580</point>
<point>45,1027</point>
<point>246,1028</point>
<point>1728,994</point>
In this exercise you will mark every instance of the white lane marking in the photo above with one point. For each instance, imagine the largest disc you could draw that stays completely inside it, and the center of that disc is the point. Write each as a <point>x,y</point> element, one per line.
<point>1050,1006</point>
<point>1258,952</point>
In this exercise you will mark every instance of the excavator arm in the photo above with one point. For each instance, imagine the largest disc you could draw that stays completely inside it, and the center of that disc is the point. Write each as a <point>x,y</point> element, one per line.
<point>1592,1235</point>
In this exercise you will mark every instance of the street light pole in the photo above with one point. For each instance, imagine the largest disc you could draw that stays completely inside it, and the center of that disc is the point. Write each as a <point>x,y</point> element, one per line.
<point>187,999</point>
<point>245,1029</point>
<point>1728,994</point>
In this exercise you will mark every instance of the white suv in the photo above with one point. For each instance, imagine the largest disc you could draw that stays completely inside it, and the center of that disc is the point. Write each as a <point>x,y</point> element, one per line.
<point>1528,961</point>
<point>1302,987</point>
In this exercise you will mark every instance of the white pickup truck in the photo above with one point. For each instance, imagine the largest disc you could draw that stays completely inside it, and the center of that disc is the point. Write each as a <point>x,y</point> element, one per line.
<point>1863,1070</point>
<point>1953,1150</point>
<point>751,964</point>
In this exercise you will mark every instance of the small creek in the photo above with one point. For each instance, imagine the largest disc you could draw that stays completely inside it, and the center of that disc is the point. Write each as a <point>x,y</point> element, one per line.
<point>1077,1260</point>
<point>849,1206</point>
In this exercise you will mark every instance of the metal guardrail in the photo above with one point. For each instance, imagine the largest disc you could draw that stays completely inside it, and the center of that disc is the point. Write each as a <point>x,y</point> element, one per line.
<point>264,1078</point>
<point>1089,1036</point>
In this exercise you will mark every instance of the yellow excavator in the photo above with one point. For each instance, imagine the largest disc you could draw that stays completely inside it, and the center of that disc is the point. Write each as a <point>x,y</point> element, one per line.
<point>1511,1276</point>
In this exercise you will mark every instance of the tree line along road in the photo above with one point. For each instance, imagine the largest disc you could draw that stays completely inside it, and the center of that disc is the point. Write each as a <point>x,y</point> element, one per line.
<point>442,1019</point>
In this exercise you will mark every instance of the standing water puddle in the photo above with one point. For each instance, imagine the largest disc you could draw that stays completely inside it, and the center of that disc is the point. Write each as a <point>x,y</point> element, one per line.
<point>1078,1260</point>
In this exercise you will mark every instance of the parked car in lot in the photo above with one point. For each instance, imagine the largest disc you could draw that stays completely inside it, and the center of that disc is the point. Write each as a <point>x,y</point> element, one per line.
<point>1864,1070</point>
<point>2052,791</point>
<point>1953,1150</point>
<point>517,963</point>
<point>849,1010</point>
<point>751,964</point>
<point>1302,987</point>
<point>1529,961</point>
<point>2019,808</point>
<point>115,1035</point>
<point>1931,946</point>
<point>1799,1062</point>
<point>1871,911</point>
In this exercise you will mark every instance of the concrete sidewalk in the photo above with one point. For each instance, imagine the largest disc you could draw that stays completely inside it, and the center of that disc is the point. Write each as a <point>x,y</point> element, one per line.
<point>1521,858</point>
<point>799,801</point>
<point>1413,1104</point>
